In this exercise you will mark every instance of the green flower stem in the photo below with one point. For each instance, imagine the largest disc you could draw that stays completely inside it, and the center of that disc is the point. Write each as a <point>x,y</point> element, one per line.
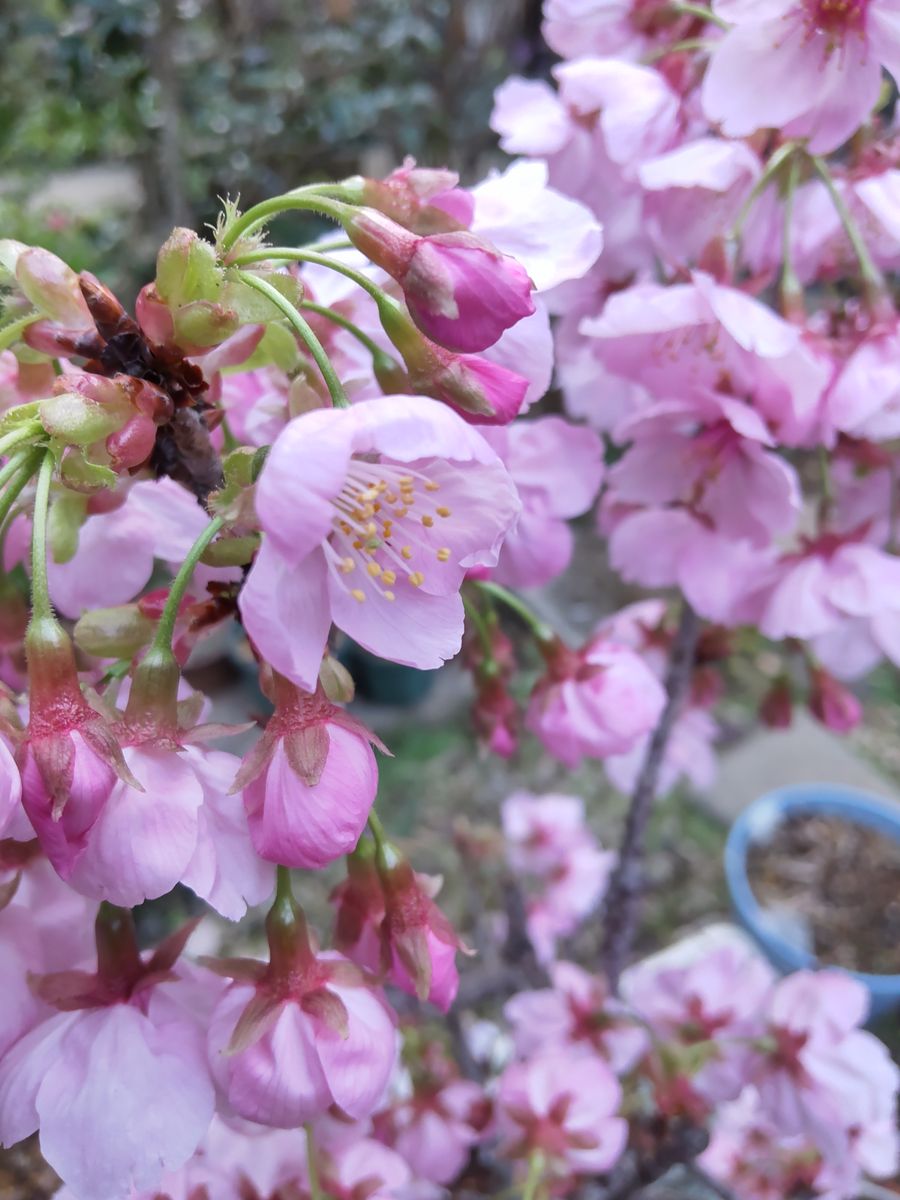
<point>14,464</point>
<point>41,608</point>
<point>10,334</point>
<point>302,328</point>
<point>535,1175</point>
<point>345,323</point>
<point>678,47</point>
<point>162,640</point>
<point>873,280</point>
<point>312,1165</point>
<point>781,155</point>
<point>385,855</point>
<point>26,432</point>
<point>791,288</point>
<point>288,253</point>
<point>699,10</point>
<point>25,470</point>
<point>312,198</point>
<point>541,631</point>
<point>284,893</point>
<point>480,626</point>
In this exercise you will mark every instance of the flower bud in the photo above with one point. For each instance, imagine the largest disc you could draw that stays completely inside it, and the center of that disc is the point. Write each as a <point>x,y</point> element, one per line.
<point>186,269</point>
<point>117,632</point>
<point>418,941</point>
<point>479,390</point>
<point>52,287</point>
<point>461,292</point>
<point>831,703</point>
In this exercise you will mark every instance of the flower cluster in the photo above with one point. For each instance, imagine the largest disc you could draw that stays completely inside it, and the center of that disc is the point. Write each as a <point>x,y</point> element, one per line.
<point>326,450</point>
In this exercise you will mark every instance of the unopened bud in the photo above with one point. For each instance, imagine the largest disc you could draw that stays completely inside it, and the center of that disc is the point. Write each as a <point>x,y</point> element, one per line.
<point>117,632</point>
<point>186,269</point>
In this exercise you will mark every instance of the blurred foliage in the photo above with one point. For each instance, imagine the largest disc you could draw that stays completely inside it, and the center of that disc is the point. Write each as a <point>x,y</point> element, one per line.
<point>206,98</point>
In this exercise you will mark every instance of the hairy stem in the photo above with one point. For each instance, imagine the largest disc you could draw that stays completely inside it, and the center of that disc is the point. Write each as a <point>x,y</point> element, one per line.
<point>303,329</point>
<point>622,907</point>
<point>40,589</point>
<point>162,640</point>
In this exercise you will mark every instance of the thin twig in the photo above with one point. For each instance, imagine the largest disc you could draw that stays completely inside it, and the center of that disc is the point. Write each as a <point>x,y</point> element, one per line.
<point>623,899</point>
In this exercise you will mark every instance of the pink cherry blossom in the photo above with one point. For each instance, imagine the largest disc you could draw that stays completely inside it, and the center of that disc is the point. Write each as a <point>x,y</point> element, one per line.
<point>577,1012</point>
<point>594,703</point>
<point>715,999</point>
<point>809,68</point>
<point>692,335</point>
<point>256,404</point>
<point>321,1042</point>
<point>419,944</point>
<point>709,456</point>
<point>389,577</point>
<point>821,1067</point>
<point>557,469</point>
<point>564,1105</point>
<point>310,781</point>
<point>694,193</point>
<point>117,546</point>
<point>435,1130</point>
<point>125,1034</point>
<point>549,842</point>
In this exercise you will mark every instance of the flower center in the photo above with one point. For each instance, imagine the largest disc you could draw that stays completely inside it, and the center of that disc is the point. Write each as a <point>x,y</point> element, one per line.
<point>385,529</point>
<point>837,17</point>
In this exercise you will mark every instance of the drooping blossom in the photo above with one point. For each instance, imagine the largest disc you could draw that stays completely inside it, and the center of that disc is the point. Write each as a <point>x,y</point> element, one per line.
<point>576,1012</point>
<point>123,1044</point>
<point>563,1105</point>
<point>380,547</point>
<point>294,1036</point>
<point>809,68</point>
<point>309,781</point>
<point>593,702</point>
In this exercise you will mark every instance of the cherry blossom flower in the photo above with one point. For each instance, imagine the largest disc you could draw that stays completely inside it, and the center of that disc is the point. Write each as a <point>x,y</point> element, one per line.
<point>564,1105</point>
<point>309,782</point>
<point>389,575</point>
<point>809,68</point>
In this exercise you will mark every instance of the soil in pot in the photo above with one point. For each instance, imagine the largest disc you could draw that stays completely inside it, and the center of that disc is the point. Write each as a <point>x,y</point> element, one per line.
<point>837,881</point>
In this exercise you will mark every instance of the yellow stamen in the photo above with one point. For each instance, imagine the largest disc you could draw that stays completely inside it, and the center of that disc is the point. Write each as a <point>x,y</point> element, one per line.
<point>373,569</point>
<point>358,594</point>
<point>389,577</point>
<point>406,553</point>
<point>443,554</point>
<point>347,565</point>
<point>443,511</point>
<point>416,578</point>
<point>427,521</point>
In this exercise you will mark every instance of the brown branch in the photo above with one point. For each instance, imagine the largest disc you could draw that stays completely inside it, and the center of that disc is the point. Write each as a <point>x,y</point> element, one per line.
<point>623,899</point>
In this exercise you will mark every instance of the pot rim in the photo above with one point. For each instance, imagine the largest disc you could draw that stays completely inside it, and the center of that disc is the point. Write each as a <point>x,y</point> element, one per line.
<point>759,820</point>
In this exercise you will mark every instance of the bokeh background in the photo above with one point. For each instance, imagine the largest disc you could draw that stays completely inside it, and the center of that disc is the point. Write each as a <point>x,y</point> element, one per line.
<point>122,118</point>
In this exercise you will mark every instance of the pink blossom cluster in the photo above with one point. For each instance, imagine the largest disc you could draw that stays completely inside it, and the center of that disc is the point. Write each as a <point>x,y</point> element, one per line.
<point>299,448</point>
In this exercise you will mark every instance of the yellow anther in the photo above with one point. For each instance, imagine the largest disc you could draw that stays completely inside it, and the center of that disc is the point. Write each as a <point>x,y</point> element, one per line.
<point>443,554</point>
<point>389,577</point>
<point>389,595</point>
<point>373,569</point>
<point>347,565</point>
<point>358,594</point>
<point>371,529</point>
<point>406,553</point>
<point>443,511</point>
<point>406,481</point>
<point>416,578</point>
<point>391,497</point>
<point>427,521</point>
<point>400,513</point>
<point>430,486</point>
<point>357,544</point>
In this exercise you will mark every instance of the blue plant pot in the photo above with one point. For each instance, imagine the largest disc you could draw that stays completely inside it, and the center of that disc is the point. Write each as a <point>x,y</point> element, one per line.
<point>757,824</point>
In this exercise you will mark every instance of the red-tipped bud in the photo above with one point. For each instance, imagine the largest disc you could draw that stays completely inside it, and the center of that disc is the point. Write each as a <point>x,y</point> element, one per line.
<point>831,703</point>
<point>482,392</point>
<point>461,292</point>
<point>777,707</point>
